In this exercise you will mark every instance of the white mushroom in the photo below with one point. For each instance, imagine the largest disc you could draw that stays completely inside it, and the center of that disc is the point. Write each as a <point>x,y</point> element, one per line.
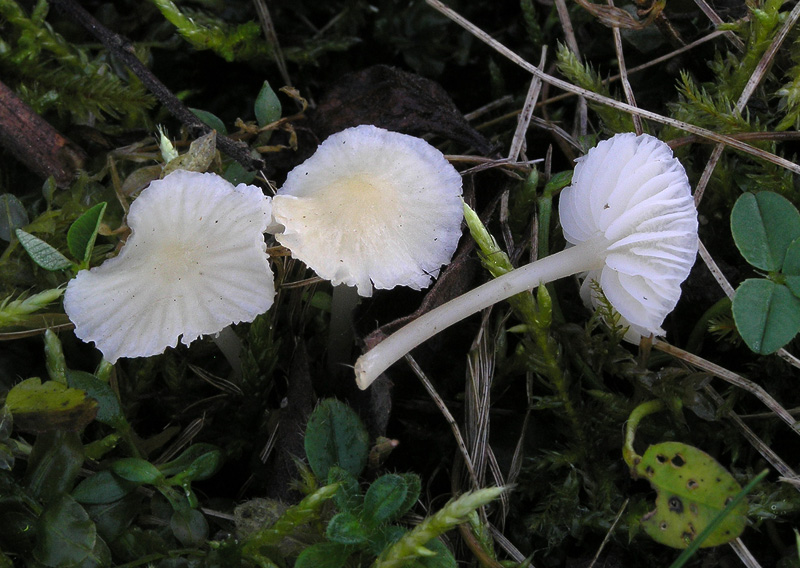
<point>631,219</point>
<point>372,208</point>
<point>195,262</point>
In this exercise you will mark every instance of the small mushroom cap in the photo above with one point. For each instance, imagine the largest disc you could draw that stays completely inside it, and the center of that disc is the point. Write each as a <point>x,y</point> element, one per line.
<point>631,191</point>
<point>372,207</point>
<point>195,262</point>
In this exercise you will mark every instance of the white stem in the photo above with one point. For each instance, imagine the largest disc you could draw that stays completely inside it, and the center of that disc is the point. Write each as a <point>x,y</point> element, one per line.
<point>585,256</point>
<point>231,346</point>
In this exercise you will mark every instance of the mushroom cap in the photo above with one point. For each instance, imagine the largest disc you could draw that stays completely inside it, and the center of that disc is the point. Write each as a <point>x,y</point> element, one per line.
<point>631,191</point>
<point>194,263</point>
<point>372,207</point>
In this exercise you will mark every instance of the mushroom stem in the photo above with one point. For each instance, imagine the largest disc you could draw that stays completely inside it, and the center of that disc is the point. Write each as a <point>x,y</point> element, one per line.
<point>585,256</point>
<point>231,347</point>
<point>340,334</point>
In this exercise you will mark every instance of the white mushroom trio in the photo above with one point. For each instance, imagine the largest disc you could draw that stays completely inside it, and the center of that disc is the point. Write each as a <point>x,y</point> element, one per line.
<point>632,223</point>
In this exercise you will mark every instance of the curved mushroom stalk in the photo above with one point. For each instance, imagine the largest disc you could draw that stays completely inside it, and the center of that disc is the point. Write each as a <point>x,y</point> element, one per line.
<point>629,214</point>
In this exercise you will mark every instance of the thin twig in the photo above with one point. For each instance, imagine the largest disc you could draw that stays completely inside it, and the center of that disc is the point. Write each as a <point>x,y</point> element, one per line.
<point>643,66</point>
<point>613,525</point>
<point>716,20</point>
<point>744,554</point>
<point>462,446</point>
<point>623,74</point>
<point>761,447</point>
<point>271,35</point>
<point>715,270</point>
<point>124,50</point>
<point>592,96</point>
<point>755,78</point>
<point>524,120</point>
<point>489,107</point>
<point>732,378</point>
<point>582,114</point>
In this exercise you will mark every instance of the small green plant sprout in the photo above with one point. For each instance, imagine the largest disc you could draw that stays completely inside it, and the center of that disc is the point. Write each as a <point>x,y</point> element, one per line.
<point>766,230</point>
<point>195,262</point>
<point>362,530</point>
<point>372,208</point>
<point>18,311</point>
<point>631,224</point>
<point>692,488</point>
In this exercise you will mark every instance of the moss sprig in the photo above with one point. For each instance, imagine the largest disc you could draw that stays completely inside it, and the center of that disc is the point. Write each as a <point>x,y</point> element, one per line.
<point>412,544</point>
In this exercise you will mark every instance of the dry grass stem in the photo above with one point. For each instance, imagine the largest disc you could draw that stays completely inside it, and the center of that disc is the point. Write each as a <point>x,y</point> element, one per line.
<point>747,92</point>
<point>489,107</point>
<point>609,532</point>
<point>507,546</point>
<point>643,66</point>
<point>182,441</point>
<point>572,43</point>
<point>732,378</point>
<point>715,270</point>
<point>271,35</point>
<point>462,446</point>
<point>712,15</point>
<point>744,554</point>
<point>623,74</point>
<point>524,120</point>
<point>590,95</point>
<point>761,447</point>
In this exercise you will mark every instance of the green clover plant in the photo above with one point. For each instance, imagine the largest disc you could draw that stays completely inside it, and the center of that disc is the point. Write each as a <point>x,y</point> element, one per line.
<point>766,230</point>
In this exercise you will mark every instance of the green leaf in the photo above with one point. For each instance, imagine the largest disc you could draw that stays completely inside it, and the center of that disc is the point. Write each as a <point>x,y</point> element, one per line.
<point>348,497</point>
<point>268,106</point>
<point>733,504</point>
<point>791,267</point>
<point>692,489</point>
<point>384,499</point>
<point>763,225</point>
<point>210,120</point>
<point>109,409</point>
<point>346,528</point>
<point>138,470</point>
<point>102,487</point>
<point>336,436</point>
<point>54,464</point>
<point>443,559</point>
<point>203,467</point>
<point>54,357</point>
<point>50,406</point>
<point>414,486</point>
<point>42,254</point>
<point>6,422</point>
<point>83,232</point>
<point>12,215</point>
<point>65,534</point>
<point>323,555</point>
<point>235,173</point>
<point>187,458</point>
<point>189,526</point>
<point>767,314</point>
